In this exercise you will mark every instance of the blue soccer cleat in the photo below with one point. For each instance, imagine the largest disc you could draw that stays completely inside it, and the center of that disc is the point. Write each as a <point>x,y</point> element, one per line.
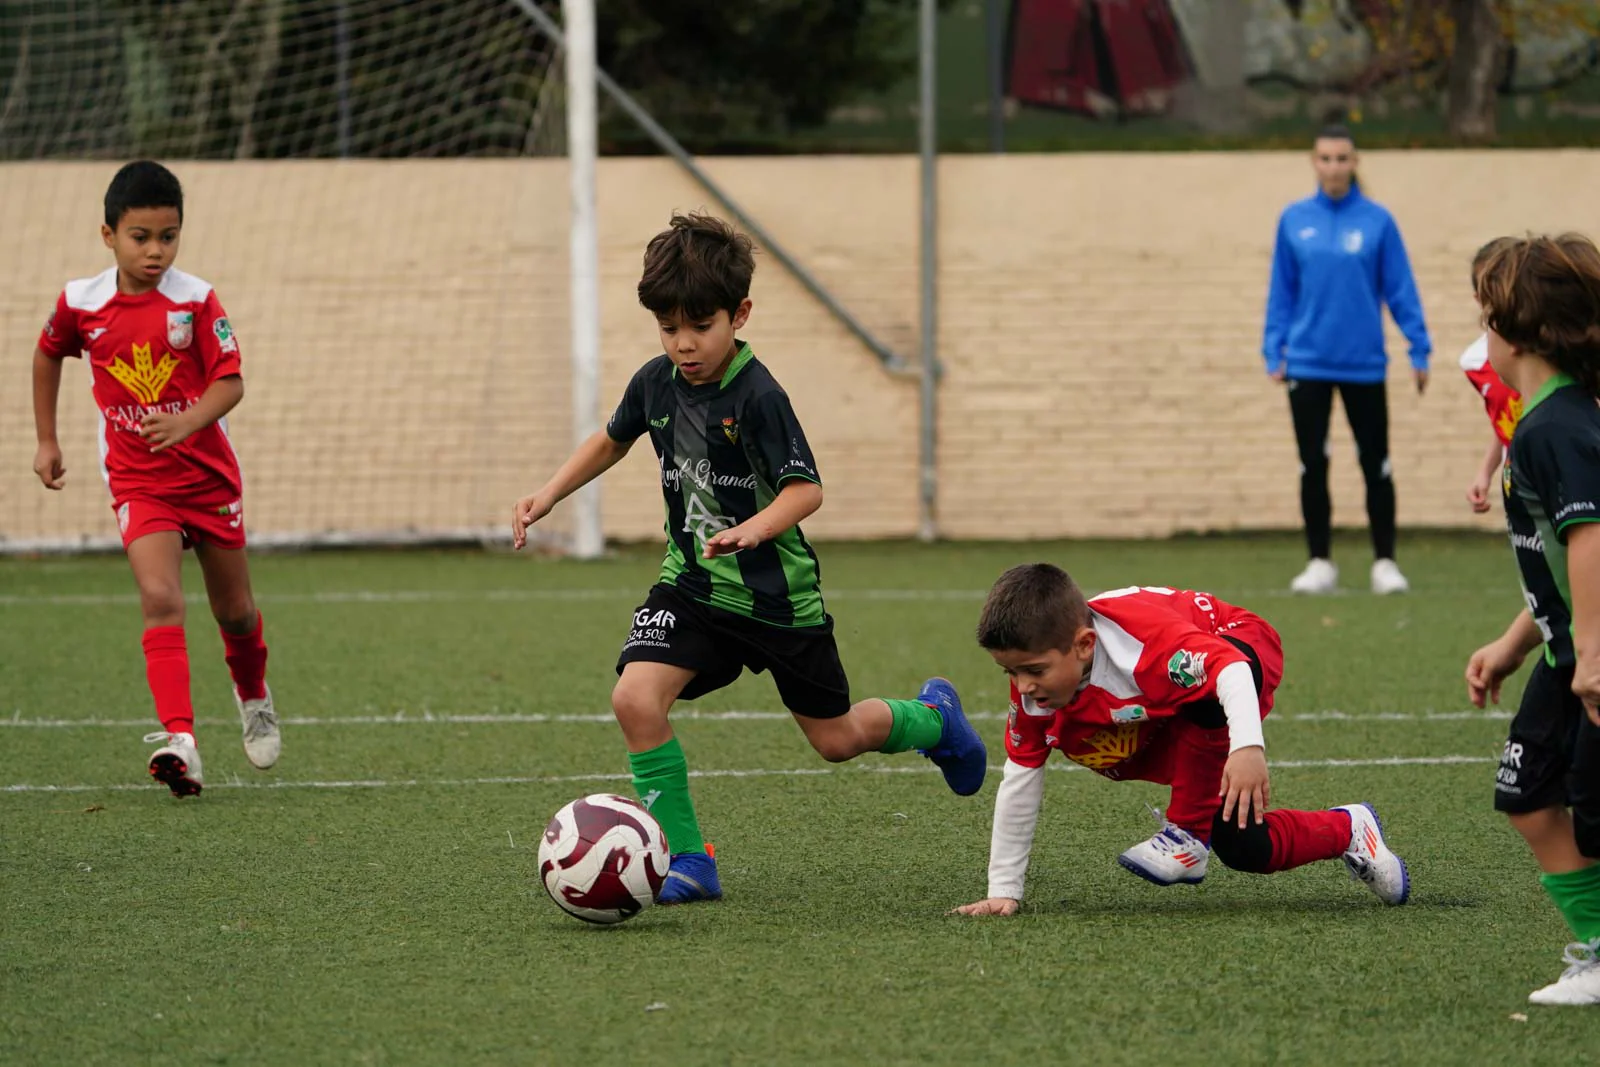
<point>692,876</point>
<point>960,753</point>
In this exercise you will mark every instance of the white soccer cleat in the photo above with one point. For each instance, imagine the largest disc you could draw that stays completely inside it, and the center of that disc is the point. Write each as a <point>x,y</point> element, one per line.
<point>1369,859</point>
<point>1320,576</point>
<point>1173,855</point>
<point>262,742</point>
<point>1386,578</point>
<point>176,764</point>
<point>1579,984</point>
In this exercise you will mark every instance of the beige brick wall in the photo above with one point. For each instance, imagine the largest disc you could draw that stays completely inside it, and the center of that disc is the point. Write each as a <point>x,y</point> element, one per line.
<point>406,337</point>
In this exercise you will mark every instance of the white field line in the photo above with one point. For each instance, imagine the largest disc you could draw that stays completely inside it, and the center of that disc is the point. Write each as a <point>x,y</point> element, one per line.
<point>792,772</point>
<point>428,718</point>
<point>633,593</point>
<point>454,596</point>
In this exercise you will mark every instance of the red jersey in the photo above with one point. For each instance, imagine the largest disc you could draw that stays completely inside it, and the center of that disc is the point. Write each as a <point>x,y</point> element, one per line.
<point>1156,650</point>
<point>154,352</point>
<point>1501,401</point>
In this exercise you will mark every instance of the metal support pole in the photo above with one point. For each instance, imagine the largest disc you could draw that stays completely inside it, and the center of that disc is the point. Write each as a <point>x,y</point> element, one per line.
<point>927,526</point>
<point>769,244</point>
<point>341,52</point>
<point>588,537</point>
<point>995,38</point>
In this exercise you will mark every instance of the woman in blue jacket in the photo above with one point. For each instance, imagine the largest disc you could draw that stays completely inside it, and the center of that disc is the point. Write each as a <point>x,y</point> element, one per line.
<point>1338,259</point>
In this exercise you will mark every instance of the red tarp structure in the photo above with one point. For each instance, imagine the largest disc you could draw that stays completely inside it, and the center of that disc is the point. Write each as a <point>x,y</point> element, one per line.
<point>1097,57</point>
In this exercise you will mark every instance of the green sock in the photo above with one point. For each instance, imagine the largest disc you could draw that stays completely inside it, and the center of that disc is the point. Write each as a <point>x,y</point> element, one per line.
<point>915,725</point>
<point>1577,895</point>
<point>661,778</point>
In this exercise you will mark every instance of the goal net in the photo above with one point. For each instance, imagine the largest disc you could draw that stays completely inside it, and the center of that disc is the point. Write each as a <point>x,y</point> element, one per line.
<point>404,325</point>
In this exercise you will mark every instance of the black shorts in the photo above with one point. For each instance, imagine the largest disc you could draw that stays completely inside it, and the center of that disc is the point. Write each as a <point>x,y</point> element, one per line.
<point>1552,754</point>
<point>718,645</point>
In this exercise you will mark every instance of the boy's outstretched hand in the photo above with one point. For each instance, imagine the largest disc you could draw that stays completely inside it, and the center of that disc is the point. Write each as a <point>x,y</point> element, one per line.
<point>1487,668</point>
<point>529,510</point>
<point>729,541</point>
<point>988,906</point>
<point>1245,785</point>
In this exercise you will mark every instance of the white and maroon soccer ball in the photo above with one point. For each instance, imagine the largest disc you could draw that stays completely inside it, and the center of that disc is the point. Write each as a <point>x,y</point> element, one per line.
<point>603,858</point>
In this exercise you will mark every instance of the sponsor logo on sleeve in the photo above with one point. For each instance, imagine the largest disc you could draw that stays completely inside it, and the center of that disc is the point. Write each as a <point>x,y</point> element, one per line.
<point>223,330</point>
<point>1187,669</point>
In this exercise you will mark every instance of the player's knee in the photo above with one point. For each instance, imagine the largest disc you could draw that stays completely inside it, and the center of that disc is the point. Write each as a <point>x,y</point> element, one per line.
<point>162,603</point>
<point>1248,850</point>
<point>237,616</point>
<point>835,746</point>
<point>633,705</point>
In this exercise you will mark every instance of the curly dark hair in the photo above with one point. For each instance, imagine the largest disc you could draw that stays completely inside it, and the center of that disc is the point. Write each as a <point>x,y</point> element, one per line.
<point>698,265</point>
<point>1542,294</point>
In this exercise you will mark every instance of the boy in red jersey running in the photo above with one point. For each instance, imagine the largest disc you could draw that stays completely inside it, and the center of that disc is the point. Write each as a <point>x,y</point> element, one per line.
<point>1155,685</point>
<point>1501,403</point>
<point>165,370</point>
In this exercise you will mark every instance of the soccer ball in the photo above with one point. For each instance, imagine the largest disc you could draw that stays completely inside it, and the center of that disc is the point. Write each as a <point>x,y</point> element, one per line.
<point>603,858</point>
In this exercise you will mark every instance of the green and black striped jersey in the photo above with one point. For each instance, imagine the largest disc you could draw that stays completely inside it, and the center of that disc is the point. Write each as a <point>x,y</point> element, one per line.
<point>725,448</point>
<point>1552,483</point>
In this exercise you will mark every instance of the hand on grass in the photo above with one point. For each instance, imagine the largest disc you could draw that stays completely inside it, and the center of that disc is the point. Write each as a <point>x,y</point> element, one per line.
<point>988,906</point>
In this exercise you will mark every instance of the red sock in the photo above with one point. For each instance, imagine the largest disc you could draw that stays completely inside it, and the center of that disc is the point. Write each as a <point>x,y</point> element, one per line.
<point>166,665</point>
<point>1198,757</point>
<point>1301,837</point>
<point>247,661</point>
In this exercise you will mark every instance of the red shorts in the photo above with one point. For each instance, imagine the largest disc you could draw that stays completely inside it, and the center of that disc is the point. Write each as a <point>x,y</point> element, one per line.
<point>211,520</point>
<point>1268,647</point>
<point>1175,751</point>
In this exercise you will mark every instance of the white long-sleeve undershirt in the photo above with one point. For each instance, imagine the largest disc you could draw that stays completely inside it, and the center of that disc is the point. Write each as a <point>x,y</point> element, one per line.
<point>1236,691</point>
<point>1016,814</point>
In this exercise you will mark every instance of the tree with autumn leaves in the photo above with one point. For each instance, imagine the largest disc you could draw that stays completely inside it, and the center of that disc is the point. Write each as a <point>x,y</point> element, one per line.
<point>1466,50</point>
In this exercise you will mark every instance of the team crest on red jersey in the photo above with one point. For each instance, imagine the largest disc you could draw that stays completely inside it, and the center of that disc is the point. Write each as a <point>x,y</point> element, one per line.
<point>1187,669</point>
<point>180,329</point>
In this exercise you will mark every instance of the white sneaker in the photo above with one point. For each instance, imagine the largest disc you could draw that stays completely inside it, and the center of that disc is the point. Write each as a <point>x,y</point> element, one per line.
<point>1370,860</point>
<point>1580,982</point>
<point>176,764</point>
<point>1173,855</point>
<point>261,740</point>
<point>1320,576</point>
<point>1386,578</point>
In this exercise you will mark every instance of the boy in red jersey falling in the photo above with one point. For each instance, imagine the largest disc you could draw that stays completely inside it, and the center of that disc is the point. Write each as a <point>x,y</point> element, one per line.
<point>164,364</point>
<point>1501,403</point>
<point>1156,685</point>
